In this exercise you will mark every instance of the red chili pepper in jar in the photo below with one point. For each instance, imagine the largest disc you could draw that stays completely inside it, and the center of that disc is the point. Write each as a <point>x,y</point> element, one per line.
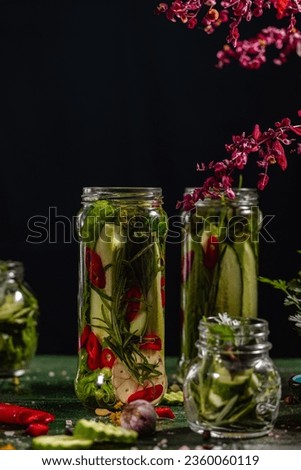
<point>148,394</point>
<point>151,341</point>
<point>211,252</point>
<point>21,415</point>
<point>84,336</point>
<point>94,349</point>
<point>133,299</point>
<point>107,358</point>
<point>96,272</point>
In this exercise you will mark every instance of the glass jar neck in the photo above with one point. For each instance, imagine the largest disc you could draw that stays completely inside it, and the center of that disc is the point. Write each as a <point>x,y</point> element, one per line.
<point>11,270</point>
<point>124,195</point>
<point>233,335</point>
<point>244,197</point>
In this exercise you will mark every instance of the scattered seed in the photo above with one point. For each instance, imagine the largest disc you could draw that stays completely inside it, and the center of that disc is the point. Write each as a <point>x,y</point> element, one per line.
<point>102,412</point>
<point>8,447</point>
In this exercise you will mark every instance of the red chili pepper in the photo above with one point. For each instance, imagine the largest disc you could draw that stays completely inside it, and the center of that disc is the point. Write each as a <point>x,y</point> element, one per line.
<point>94,349</point>
<point>133,299</point>
<point>37,429</point>
<point>148,394</point>
<point>107,358</point>
<point>21,415</point>
<point>84,336</point>
<point>165,412</point>
<point>163,291</point>
<point>151,341</point>
<point>211,252</point>
<point>187,261</point>
<point>96,272</point>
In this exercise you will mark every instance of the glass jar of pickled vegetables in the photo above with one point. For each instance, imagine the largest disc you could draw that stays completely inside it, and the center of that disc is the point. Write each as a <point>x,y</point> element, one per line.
<point>219,263</point>
<point>19,311</point>
<point>122,234</point>
<point>233,388</point>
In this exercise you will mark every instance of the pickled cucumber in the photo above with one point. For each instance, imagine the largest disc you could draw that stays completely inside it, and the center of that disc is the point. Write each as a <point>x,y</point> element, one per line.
<point>247,262</point>
<point>229,291</point>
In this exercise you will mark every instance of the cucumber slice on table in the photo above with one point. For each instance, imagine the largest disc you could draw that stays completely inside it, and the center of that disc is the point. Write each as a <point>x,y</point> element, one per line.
<point>101,432</point>
<point>229,291</point>
<point>60,442</point>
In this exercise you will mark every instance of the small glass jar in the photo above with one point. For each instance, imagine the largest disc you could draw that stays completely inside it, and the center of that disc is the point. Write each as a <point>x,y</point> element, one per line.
<point>219,263</point>
<point>121,298</point>
<point>19,312</point>
<point>232,388</point>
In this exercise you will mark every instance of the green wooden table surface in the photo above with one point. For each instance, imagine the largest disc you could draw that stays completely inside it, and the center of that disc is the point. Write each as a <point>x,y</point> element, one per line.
<point>48,385</point>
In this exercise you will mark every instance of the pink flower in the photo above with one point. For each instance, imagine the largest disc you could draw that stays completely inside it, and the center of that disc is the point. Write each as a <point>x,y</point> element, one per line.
<point>268,147</point>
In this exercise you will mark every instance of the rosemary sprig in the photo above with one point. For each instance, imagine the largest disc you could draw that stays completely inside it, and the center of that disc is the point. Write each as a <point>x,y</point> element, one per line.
<point>119,339</point>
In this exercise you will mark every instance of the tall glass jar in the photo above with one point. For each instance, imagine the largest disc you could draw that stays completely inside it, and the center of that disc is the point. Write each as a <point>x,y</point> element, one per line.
<point>233,388</point>
<point>219,263</point>
<point>19,311</point>
<point>122,232</point>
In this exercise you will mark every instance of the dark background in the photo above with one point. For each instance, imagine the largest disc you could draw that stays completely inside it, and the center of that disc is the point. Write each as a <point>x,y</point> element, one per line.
<point>105,93</point>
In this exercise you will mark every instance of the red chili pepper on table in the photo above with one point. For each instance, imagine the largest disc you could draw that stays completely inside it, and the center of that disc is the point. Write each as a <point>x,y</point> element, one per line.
<point>148,394</point>
<point>37,429</point>
<point>165,412</point>
<point>21,415</point>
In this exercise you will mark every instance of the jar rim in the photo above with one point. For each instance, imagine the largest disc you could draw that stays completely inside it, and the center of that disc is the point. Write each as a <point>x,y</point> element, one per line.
<point>244,196</point>
<point>92,193</point>
<point>241,321</point>
<point>245,334</point>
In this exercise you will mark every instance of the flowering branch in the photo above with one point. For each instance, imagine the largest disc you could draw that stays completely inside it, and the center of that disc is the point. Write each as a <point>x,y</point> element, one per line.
<point>251,54</point>
<point>269,148</point>
<point>210,14</point>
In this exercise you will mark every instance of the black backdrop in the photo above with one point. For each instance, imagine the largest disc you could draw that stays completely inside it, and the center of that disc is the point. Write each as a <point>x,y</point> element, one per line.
<point>105,93</point>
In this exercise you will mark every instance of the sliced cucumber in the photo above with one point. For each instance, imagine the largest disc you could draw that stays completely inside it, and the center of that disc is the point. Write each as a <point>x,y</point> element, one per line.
<point>216,400</point>
<point>100,307</point>
<point>229,291</point>
<point>102,432</point>
<point>224,386</point>
<point>60,442</point>
<point>247,262</point>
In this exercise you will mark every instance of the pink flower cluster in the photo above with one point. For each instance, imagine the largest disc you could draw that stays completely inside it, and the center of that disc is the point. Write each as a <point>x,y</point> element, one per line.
<point>268,146</point>
<point>250,53</point>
